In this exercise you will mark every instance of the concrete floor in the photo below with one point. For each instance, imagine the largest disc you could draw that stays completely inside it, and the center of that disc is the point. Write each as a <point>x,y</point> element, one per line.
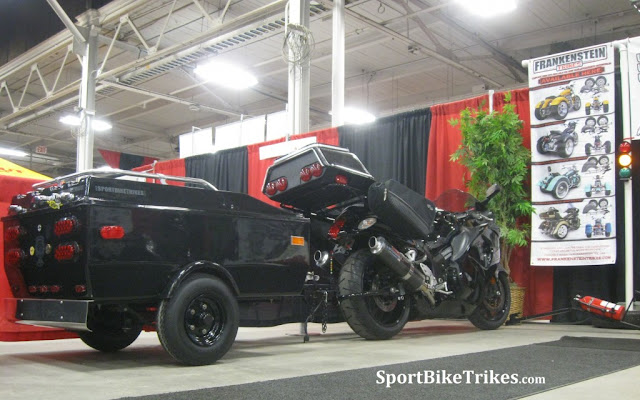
<point>67,369</point>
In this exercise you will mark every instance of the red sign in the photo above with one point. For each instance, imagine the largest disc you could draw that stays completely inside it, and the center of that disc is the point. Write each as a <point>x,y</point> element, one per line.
<point>41,149</point>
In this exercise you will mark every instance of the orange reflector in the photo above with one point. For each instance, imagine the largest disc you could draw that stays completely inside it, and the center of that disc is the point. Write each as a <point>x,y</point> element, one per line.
<point>112,232</point>
<point>297,240</point>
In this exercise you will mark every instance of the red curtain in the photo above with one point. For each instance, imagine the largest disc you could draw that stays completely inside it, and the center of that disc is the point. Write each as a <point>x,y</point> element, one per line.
<point>171,167</point>
<point>111,157</point>
<point>258,167</point>
<point>444,139</point>
<point>538,281</point>
<point>10,331</point>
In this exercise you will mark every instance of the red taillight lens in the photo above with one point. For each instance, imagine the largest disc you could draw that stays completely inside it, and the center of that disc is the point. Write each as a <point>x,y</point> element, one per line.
<point>316,169</point>
<point>12,233</point>
<point>14,256</point>
<point>65,252</point>
<point>305,174</point>
<point>79,289</point>
<point>112,232</point>
<point>341,180</point>
<point>65,226</point>
<point>55,289</point>
<point>281,184</point>
<point>32,289</point>
<point>336,227</point>
<point>43,289</point>
<point>271,189</point>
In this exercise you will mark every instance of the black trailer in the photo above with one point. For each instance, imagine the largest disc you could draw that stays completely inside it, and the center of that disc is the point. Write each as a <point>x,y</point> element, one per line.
<point>109,257</point>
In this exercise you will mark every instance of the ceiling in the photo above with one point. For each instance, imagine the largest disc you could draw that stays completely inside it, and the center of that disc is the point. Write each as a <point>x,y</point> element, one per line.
<point>400,55</point>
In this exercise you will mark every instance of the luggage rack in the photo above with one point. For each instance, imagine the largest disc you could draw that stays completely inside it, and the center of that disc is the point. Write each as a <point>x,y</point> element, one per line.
<point>116,173</point>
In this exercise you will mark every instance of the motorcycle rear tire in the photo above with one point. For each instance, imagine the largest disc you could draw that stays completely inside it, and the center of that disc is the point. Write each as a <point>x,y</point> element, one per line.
<point>366,315</point>
<point>482,316</point>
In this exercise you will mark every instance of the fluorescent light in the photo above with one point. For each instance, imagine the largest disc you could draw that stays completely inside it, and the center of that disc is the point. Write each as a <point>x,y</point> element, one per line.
<point>488,8</point>
<point>226,75</point>
<point>74,120</point>
<point>357,116</point>
<point>12,152</point>
<point>100,125</point>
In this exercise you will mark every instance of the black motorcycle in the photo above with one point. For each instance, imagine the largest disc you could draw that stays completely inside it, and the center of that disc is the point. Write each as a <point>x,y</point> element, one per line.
<point>390,254</point>
<point>561,142</point>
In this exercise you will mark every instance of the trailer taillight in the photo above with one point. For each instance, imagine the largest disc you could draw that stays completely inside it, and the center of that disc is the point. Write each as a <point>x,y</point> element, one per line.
<point>316,169</point>
<point>65,226</point>
<point>112,232</point>
<point>66,252</point>
<point>305,174</point>
<point>55,289</point>
<point>282,184</point>
<point>13,233</point>
<point>80,289</point>
<point>271,188</point>
<point>33,289</point>
<point>14,256</point>
<point>341,180</point>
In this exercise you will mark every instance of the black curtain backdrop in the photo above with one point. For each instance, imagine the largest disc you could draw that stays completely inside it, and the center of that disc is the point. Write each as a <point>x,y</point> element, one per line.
<point>130,161</point>
<point>393,147</point>
<point>602,281</point>
<point>226,169</point>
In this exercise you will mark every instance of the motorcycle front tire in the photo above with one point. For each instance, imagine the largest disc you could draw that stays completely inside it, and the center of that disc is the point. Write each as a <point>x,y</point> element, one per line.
<point>373,318</point>
<point>491,313</point>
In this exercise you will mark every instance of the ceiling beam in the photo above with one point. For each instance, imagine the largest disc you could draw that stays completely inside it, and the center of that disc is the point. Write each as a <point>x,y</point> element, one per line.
<point>423,49</point>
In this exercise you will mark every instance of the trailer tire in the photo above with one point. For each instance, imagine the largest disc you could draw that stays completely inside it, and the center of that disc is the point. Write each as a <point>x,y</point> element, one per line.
<point>199,323</point>
<point>375,317</point>
<point>110,341</point>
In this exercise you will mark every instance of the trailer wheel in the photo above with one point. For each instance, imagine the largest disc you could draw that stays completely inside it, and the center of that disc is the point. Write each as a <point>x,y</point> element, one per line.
<point>110,340</point>
<point>372,317</point>
<point>199,323</point>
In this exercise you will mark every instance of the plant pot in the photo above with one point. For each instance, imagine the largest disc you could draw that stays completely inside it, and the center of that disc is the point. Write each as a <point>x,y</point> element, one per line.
<point>517,300</point>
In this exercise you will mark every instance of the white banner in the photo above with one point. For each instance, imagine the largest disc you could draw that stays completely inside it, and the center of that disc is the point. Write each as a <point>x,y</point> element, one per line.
<point>572,156</point>
<point>633,56</point>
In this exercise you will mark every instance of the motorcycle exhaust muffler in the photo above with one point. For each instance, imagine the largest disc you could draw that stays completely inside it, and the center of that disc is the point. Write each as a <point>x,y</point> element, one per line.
<point>321,258</point>
<point>413,279</point>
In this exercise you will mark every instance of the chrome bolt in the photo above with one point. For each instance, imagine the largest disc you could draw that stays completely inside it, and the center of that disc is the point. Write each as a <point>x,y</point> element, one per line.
<point>192,311</point>
<point>204,306</point>
<point>203,331</point>
<point>192,327</point>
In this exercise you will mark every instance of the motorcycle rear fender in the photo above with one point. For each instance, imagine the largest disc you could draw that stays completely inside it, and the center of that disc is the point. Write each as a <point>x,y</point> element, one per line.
<point>543,104</point>
<point>605,102</point>
<point>607,186</point>
<point>607,227</point>
<point>558,225</point>
<point>587,188</point>
<point>554,182</point>
<point>587,104</point>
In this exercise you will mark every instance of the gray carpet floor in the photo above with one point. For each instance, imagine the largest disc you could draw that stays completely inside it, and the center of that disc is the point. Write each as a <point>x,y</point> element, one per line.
<point>562,362</point>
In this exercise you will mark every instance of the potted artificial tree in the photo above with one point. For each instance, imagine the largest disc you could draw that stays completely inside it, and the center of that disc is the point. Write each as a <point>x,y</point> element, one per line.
<point>493,152</point>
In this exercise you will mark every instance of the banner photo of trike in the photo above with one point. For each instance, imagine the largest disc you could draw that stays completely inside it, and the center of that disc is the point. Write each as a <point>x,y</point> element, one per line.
<point>572,157</point>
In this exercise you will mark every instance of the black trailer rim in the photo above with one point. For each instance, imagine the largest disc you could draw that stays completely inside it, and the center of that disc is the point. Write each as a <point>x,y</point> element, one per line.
<point>204,321</point>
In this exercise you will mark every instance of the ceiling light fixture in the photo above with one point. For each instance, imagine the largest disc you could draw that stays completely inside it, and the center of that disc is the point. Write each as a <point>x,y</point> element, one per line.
<point>74,120</point>
<point>12,152</point>
<point>357,116</point>
<point>488,8</point>
<point>226,75</point>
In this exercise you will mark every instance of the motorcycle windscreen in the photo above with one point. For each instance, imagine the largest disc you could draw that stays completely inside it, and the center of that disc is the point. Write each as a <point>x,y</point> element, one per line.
<point>405,211</point>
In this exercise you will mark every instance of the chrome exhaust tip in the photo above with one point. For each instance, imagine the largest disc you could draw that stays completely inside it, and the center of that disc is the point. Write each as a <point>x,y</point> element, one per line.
<point>321,258</point>
<point>376,245</point>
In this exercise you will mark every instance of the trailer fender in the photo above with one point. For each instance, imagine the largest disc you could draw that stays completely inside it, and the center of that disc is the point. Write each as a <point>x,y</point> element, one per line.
<point>206,267</point>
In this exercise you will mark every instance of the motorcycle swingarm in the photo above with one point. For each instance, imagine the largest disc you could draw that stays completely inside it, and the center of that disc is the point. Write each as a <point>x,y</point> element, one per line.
<point>399,293</point>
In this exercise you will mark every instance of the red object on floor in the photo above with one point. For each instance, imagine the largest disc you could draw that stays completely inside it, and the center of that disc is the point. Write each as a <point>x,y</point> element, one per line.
<point>9,330</point>
<point>601,307</point>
